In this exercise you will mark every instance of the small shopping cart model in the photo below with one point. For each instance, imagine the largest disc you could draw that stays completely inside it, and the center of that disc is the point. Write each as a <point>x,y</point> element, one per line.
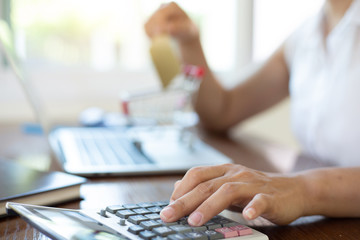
<point>168,106</point>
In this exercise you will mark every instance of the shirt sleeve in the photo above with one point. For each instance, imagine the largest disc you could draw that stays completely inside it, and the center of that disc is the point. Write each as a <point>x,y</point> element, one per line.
<point>297,38</point>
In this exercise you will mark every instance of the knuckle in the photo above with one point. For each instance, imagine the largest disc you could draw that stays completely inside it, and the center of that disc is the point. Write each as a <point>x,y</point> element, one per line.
<point>229,188</point>
<point>227,165</point>
<point>262,197</point>
<point>206,188</point>
<point>173,4</point>
<point>177,183</point>
<point>196,173</point>
<point>196,169</point>
<point>246,174</point>
<point>180,205</point>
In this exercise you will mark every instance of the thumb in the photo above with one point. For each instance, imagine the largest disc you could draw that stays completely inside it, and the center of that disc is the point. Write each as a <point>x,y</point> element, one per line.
<point>257,206</point>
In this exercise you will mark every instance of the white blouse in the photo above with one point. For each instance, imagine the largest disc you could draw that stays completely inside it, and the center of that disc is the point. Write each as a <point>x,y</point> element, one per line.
<point>325,88</point>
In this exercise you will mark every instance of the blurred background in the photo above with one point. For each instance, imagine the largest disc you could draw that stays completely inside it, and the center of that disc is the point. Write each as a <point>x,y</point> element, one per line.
<point>83,53</point>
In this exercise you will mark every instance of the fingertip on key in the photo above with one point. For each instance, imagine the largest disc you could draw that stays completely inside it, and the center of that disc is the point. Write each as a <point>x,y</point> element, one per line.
<point>249,213</point>
<point>195,219</point>
<point>167,214</point>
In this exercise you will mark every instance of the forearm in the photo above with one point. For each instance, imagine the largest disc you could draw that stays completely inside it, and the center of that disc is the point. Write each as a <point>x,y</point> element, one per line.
<point>211,97</point>
<point>219,109</point>
<point>332,192</point>
<point>261,89</point>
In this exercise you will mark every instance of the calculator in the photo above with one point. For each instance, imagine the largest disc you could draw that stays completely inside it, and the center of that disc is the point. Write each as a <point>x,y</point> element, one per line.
<point>140,221</point>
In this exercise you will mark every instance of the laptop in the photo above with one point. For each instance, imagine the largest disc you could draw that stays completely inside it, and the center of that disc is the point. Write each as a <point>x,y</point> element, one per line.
<point>103,151</point>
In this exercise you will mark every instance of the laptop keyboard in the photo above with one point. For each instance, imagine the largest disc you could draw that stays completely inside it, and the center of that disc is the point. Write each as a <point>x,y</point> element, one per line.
<point>108,148</point>
<point>128,151</point>
<point>143,221</point>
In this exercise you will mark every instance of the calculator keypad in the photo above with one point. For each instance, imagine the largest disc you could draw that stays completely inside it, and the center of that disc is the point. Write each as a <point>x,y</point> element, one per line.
<point>144,221</point>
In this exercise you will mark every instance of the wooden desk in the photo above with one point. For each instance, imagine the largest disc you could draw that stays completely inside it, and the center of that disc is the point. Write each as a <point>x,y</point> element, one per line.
<point>241,148</point>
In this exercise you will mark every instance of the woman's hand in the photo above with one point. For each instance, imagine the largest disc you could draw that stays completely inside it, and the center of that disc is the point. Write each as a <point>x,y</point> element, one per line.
<point>206,191</point>
<point>171,19</point>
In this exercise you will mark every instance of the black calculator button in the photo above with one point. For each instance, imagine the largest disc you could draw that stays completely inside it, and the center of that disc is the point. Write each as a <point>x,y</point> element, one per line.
<point>181,228</point>
<point>178,236</point>
<point>125,213</point>
<point>114,208</point>
<point>137,219</point>
<point>150,224</point>
<point>155,209</point>
<point>163,231</point>
<point>135,229</point>
<point>196,236</point>
<point>147,234</point>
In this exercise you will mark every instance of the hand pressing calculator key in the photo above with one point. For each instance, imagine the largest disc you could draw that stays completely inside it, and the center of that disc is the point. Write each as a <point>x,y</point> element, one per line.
<point>126,222</point>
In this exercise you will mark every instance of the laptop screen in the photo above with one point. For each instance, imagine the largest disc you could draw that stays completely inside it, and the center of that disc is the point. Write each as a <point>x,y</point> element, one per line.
<point>8,49</point>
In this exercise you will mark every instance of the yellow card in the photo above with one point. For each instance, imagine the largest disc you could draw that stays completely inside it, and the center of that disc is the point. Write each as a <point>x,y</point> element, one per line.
<point>164,59</point>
